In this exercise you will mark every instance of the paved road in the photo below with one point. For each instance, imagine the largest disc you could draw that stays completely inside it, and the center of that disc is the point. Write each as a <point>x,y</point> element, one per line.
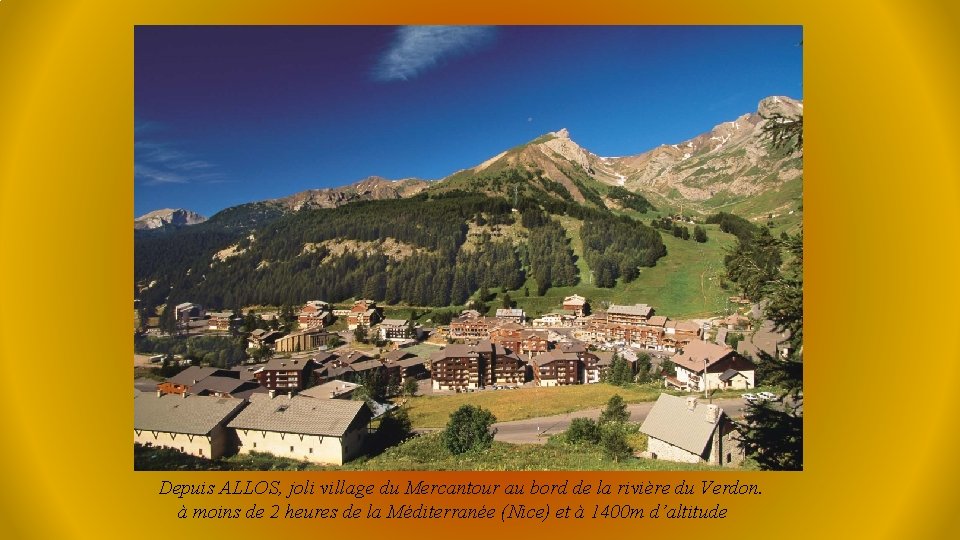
<point>537,430</point>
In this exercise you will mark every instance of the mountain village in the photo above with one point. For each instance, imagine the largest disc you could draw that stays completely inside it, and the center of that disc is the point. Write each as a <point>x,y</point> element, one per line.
<point>591,247</point>
<point>298,402</point>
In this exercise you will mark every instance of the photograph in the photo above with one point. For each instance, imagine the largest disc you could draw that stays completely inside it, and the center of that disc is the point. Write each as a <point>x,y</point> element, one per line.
<point>468,248</point>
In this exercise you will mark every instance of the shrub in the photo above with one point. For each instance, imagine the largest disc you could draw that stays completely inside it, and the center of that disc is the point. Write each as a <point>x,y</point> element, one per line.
<point>583,430</point>
<point>469,429</point>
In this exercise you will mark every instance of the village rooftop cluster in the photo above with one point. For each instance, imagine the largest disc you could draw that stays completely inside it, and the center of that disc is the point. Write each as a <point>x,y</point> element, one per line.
<point>298,404</point>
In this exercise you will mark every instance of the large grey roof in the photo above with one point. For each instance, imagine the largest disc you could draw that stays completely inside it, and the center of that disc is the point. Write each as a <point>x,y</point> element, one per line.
<point>323,391</point>
<point>192,375</point>
<point>636,309</point>
<point>397,355</point>
<point>572,347</point>
<point>354,356</point>
<point>366,365</point>
<point>410,362</point>
<point>216,383</point>
<point>657,320</point>
<point>195,415</point>
<point>673,422</point>
<point>606,358</point>
<point>554,356</point>
<point>455,351</point>
<point>300,415</point>
<point>289,364</point>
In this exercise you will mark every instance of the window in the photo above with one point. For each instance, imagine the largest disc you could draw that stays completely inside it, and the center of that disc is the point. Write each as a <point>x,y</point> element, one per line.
<point>291,449</point>
<point>729,457</point>
<point>254,445</point>
<point>311,450</point>
<point>201,451</point>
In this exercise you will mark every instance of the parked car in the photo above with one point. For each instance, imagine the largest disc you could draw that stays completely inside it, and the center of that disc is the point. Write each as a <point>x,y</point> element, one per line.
<point>751,398</point>
<point>768,396</point>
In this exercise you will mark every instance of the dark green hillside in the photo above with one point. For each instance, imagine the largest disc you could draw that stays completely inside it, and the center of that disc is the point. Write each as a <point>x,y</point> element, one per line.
<point>411,251</point>
<point>247,217</point>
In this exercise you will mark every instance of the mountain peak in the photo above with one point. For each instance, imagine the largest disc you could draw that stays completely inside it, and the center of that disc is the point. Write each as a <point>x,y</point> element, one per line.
<point>563,133</point>
<point>782,105</point>
<point>370,188</point>
<point>176,217</point>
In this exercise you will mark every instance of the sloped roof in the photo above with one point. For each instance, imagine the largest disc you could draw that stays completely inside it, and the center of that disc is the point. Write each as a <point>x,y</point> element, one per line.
<point>606,358</point>
<point>366,365</point>
<point>554,356</point>
<point>687,326</point>
<point>455,351</point>
<point>642,310</point>
<point>289,364</point>
<point>192,375</point>
<point>657,320</point>
<point>728,374</point>
<point>172,413</point>
<point>354,356</point>
<point>696,351</point>
<point>216,383</point>
<point>335,371</point>
<point>411,361</point>
<point>397,355</point>
<point>323,391</point>
<point>245,373</point>
<point>393,322</point>
<point>485,346</point>
<point>572,346</point>
<point>673,422</point>
<point>511,326</point>
<point>298,414</point>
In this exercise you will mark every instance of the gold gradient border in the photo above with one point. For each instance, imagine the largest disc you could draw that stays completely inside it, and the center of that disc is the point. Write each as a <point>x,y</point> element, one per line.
<point>881,192</point>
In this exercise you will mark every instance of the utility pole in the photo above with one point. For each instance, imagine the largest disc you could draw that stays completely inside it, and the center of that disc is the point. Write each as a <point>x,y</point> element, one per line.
<point>706,394</point>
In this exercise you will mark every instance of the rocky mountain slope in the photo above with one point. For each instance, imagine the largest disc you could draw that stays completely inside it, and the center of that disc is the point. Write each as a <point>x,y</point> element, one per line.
<point>723,167</point>
<point>732,161</point>
<point>167,217</point>
<point>373,188</point>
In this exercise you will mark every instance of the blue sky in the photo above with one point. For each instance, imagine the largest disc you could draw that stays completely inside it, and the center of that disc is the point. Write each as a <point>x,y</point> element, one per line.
<point>227,115</point>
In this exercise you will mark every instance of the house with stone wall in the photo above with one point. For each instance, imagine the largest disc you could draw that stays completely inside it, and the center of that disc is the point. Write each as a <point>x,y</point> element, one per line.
<point>688,431</point>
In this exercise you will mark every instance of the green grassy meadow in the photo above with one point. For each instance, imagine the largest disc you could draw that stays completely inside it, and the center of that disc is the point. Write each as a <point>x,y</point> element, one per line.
<point>507,405</point>
<point>684,283</point>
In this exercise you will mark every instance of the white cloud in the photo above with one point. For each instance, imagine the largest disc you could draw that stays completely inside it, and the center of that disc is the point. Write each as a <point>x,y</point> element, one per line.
<point>419,48</point>
<point>161,163</point>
